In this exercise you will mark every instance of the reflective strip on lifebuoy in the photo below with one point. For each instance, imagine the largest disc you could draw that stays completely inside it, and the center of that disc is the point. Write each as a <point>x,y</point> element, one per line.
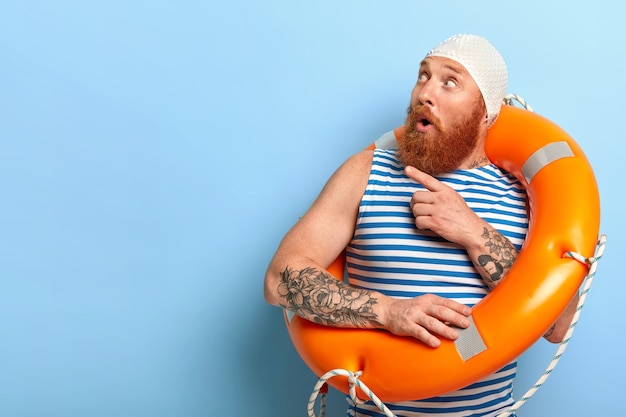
<point>564,208</point>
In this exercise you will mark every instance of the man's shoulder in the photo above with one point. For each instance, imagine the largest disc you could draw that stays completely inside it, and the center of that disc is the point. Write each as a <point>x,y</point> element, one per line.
<point>361,161</point>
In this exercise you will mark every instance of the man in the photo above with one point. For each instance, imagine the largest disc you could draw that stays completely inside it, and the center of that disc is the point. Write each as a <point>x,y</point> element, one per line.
<point>429,227</point>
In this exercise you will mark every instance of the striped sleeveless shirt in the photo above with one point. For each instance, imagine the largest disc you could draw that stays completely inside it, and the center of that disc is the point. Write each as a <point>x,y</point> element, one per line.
<point>390,255</point>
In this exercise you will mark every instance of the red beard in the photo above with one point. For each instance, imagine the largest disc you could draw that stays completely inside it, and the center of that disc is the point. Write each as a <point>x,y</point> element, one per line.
<point>440,150</point>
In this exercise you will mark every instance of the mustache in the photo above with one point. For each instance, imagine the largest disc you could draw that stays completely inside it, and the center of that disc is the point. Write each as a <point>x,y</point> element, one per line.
<point>421,113</point>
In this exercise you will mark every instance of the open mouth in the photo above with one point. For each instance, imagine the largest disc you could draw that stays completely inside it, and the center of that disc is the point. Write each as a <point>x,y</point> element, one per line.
<point>422,119</point>
<point>423,124</point>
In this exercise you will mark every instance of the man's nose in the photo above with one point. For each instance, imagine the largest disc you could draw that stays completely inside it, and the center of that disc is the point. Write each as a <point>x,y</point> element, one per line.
<point>426,93</point>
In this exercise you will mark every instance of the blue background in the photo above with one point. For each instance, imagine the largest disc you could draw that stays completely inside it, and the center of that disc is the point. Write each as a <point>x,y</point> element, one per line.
<point>153,154</point>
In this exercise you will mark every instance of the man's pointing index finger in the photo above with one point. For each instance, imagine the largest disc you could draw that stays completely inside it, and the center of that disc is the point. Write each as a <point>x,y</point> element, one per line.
<point>431,183</point>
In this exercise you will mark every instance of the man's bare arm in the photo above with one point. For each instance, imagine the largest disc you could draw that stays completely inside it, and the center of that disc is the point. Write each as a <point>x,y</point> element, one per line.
<point>297,280</point>
<point>320,297</point>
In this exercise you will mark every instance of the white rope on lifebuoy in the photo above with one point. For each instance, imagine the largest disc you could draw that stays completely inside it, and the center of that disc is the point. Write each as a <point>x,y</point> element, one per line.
<point>354,382</point>
<point>592,263</point>
<point>508,100</point>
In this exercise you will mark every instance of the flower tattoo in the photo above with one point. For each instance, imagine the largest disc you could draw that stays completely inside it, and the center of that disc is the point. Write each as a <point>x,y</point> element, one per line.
<point>504,251</point>
<point>319,297</point>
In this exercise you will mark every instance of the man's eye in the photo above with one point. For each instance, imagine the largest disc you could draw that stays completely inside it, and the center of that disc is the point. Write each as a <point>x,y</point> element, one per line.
<point>450,83</point>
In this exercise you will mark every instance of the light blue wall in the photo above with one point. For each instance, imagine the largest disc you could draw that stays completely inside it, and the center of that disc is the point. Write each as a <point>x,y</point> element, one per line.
<point>152,155</point>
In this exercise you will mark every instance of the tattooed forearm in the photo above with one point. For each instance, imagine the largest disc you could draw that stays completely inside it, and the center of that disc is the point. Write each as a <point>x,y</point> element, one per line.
<point>501,256</point>
<point>550,331</point>
<point>317,296</point>
<point>493,269</point>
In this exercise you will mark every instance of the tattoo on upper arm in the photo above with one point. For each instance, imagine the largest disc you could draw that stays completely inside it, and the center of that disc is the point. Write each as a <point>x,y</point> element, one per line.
<point>503,250</point>
<point>319,297</point>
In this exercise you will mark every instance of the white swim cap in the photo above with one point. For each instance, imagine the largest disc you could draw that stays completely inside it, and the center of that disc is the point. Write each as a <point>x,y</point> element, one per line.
<point>483,62</point>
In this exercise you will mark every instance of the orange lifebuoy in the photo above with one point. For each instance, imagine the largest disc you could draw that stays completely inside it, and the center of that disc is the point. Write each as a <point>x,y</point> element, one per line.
<point>564,216</point>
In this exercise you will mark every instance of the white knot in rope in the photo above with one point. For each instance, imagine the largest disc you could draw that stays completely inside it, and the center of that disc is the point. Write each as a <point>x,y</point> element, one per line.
<point>353,383</point>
